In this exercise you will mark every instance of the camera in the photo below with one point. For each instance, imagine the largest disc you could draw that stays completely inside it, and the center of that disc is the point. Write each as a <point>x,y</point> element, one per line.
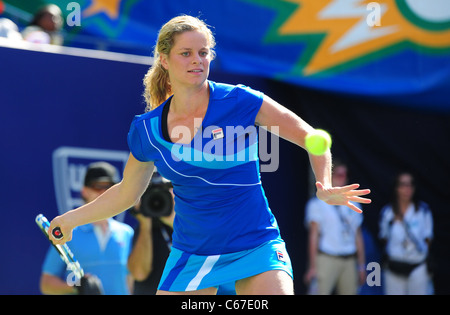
<point>157,201</point>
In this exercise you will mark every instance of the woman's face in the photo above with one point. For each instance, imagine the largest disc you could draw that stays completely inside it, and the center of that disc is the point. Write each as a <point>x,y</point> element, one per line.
<point>405,187</point>
<point>189,59</point>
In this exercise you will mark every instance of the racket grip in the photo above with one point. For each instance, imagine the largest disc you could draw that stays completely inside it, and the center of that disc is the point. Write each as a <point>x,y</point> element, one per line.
<point>56,232</point>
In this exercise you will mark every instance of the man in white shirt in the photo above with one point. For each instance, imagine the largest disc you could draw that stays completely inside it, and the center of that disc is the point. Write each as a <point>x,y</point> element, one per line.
<point>335,244</point>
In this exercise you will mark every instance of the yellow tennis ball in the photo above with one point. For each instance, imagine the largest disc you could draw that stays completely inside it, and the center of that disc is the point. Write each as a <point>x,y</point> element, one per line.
<point>318,142</point>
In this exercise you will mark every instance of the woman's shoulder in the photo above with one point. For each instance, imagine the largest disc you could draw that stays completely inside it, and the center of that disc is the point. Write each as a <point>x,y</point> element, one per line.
<point>224,90</point>
<point>387,212</point>
<point>424,208</point>
<point>150,114</point>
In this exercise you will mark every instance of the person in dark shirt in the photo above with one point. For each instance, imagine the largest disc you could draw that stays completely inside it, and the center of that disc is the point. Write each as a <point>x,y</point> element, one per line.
<point>151,244</point>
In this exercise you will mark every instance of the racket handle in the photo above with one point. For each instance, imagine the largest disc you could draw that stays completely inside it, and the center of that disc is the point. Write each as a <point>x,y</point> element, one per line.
<point>56,232</point>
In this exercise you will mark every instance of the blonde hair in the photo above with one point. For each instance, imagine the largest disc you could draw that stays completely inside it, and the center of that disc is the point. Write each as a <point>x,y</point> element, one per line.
<point>156,81</point>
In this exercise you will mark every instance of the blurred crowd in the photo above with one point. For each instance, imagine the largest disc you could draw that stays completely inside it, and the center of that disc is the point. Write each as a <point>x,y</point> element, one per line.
<point>337,257</point>
<point>44,28</point>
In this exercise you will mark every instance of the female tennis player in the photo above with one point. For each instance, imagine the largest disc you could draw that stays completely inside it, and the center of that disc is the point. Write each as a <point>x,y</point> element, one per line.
<point>201,135</point>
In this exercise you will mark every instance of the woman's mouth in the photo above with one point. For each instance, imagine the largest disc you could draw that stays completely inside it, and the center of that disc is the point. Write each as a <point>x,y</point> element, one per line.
<point>196,71</point>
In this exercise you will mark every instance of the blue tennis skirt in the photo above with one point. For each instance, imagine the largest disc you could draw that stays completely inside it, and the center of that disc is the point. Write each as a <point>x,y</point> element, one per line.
<point>189,272</point>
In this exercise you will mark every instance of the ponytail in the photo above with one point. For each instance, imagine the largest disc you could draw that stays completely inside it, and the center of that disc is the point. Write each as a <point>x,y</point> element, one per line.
<point>157,84</point>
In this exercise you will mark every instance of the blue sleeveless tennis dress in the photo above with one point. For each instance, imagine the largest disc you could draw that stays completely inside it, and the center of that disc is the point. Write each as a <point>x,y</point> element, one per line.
<point>224,229</point>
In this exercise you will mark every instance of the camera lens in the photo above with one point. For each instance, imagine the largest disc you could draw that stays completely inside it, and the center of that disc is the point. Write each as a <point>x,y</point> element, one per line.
<point>157,202</point>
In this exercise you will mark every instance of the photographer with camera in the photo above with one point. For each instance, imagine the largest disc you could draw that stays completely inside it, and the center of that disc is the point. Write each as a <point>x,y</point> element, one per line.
<point>153,235</point>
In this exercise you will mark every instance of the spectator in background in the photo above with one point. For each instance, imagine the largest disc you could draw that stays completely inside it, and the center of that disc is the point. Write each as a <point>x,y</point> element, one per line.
<point>102,248</point>
<point>45,27</point>
<point>335,244</point>
<point>9,30</point>
<point>153,238</point>
<point>406,229</point>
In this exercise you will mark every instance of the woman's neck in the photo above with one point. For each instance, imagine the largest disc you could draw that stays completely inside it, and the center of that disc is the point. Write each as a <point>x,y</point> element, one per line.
<point>189,100</point>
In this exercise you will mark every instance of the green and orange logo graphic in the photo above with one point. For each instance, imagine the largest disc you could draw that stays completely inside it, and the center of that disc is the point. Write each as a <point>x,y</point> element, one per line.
<point>338,35</point>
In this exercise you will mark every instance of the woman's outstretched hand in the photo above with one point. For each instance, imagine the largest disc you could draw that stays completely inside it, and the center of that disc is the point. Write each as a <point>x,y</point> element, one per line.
<point>343,195</point>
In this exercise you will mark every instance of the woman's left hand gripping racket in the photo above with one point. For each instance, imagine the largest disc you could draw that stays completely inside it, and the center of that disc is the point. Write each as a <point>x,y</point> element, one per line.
<point>63,250</point>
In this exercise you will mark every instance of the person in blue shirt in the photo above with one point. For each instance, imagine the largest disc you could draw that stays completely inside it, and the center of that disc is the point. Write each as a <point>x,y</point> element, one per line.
<point>202,136</point>
<point>102,248</point>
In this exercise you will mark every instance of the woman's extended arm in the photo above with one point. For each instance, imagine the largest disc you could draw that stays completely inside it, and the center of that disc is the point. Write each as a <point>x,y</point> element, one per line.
<point>283,122</point>
<point>115,200</point>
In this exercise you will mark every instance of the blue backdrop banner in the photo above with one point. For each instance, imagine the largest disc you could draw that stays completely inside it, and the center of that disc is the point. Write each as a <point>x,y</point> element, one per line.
<point>397,50</point>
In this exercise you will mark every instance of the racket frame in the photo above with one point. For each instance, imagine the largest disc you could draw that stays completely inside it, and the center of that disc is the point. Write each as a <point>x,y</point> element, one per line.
<point>63,250</point>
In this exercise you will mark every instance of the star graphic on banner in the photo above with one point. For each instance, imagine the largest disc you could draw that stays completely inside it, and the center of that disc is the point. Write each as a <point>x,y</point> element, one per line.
<point>110,7</point>
<point>338,34</point>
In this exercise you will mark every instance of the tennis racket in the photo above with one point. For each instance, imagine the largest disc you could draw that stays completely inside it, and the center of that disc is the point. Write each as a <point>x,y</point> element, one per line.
<point>63,250</point>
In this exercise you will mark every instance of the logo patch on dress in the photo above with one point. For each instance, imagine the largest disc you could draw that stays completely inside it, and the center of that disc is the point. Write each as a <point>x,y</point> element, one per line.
<point>280,256</point>
<point>217,133</point>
